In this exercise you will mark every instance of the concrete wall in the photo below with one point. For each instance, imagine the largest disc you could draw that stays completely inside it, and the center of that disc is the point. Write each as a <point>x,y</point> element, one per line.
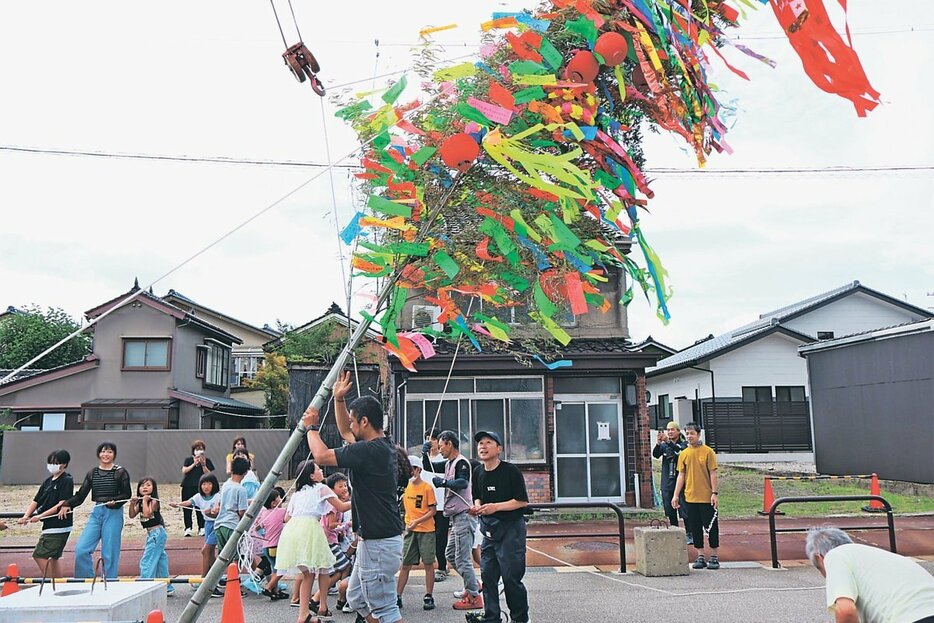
<point>872,406</point>
<point>143,453</point>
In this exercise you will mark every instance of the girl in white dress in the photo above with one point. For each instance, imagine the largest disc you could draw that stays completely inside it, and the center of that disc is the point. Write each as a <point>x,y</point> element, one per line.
<point>303,548</point>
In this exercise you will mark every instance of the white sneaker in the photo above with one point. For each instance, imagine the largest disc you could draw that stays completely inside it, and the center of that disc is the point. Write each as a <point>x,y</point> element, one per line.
<point>346,608</point>
<point>460,594</point>
<point>187,531</point>
<point>201,532</point>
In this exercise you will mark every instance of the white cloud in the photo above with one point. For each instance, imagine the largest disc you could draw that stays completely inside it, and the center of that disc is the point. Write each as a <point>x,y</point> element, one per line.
<point>207,78</point>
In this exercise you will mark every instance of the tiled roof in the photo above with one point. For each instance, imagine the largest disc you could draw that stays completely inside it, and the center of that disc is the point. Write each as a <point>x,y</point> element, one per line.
<point>216,402</point>
<point>181,297</point>
<point>22,374</point>
<point>768,322</point>
<point>578,346</point>
<point>905,328</point>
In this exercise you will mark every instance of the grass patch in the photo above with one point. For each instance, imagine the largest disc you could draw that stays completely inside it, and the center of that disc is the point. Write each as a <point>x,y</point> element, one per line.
<point>741,495</point>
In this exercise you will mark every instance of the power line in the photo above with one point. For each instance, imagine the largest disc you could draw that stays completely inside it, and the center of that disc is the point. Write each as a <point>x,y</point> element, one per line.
<point>661,171</point>
<point>758,36</point>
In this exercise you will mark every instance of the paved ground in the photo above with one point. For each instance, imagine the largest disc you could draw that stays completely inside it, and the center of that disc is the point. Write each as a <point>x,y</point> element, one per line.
<point>741,540</point>
<point>730,594</point>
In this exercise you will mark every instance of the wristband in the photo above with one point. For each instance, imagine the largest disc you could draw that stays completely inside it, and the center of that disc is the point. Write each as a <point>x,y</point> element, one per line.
<point>339,400</point>
<point>713,493</point>
<point>313,427</point>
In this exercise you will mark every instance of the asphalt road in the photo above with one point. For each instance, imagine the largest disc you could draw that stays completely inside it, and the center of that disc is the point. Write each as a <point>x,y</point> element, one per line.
<point>744,593</point>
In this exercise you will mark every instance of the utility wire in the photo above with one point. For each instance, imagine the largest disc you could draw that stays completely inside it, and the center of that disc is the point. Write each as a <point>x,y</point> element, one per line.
<point>661,171</point>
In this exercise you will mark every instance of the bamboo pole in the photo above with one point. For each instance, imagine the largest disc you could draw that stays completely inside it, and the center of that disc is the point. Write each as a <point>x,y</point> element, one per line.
<point>201,596</point>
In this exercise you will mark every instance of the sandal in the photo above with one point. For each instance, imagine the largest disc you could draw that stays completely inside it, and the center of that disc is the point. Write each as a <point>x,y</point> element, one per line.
<point>275,595</point>
<point>325,615</point>
<point>311,618</point>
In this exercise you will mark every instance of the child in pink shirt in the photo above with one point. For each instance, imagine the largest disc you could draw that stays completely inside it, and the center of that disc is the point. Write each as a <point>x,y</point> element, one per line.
<point>269,524</point>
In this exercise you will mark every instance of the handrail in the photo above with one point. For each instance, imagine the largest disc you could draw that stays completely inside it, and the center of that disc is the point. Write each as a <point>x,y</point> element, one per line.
<point>620,518</point>
<point>829,498</point>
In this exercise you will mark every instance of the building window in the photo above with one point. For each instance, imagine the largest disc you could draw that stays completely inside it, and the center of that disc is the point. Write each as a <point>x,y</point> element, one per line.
<point>789,393</point>
<point>130,418</point>
<point>146,353</point>
<point>825,335</point>
<point>664,407</point>
<point>213,364</point>
<point>244,369</point>
<point>513,407</point>
<point>761,393</point>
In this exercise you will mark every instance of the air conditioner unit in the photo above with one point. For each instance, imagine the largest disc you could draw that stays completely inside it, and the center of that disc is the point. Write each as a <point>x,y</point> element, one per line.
<point>426,316</point>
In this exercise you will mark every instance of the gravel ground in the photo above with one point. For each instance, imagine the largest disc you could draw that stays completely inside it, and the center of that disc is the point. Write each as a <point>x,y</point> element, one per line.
<point>15,499</point>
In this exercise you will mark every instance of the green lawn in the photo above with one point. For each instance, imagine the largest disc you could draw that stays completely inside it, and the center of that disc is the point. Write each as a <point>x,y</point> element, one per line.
<point>741,495</point>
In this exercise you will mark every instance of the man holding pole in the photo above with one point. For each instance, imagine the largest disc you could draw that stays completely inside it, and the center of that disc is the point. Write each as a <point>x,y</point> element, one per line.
<point>371,458</point>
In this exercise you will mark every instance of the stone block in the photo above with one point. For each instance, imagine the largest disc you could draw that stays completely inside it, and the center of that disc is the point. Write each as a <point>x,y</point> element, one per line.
<point>120,601</point>
<point>661,551</point>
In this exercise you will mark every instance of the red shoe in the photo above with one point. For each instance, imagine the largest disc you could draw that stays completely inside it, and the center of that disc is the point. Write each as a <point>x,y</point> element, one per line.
<point>469,602</point>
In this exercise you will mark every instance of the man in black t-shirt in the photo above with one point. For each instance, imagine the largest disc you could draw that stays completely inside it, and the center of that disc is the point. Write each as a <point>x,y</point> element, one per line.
<point>500,498</point>
<point>372,459</point>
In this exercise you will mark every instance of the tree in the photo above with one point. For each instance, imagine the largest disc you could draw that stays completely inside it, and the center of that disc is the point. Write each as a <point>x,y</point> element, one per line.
<point>273,379</point>
<point>23,335</point>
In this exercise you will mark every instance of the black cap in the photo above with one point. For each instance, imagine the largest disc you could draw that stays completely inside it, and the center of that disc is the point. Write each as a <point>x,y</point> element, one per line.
<point>488,434</point>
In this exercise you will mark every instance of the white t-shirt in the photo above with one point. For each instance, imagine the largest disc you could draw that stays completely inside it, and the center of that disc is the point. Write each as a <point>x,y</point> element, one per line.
<point>311,501</point>
<point>886,587</point>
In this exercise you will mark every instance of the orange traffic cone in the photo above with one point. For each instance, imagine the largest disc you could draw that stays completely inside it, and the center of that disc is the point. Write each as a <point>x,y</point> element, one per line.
<point>875,506</point>
<point>768,498</point>
<point>12,585</point>
<point>232,610</point>
<point>155,617</point>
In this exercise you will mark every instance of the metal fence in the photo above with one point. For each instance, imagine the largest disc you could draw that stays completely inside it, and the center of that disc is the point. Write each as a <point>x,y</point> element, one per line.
<point>750,427</point>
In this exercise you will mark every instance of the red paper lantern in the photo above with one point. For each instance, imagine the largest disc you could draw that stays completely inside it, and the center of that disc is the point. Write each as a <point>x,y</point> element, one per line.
<point>582,67</point>
<point>459,151</point>
<point>613,47</point>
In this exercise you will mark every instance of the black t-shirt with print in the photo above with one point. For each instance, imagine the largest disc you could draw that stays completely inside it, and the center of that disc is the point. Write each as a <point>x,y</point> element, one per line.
<point>500,485</point>
<point>375,510</point>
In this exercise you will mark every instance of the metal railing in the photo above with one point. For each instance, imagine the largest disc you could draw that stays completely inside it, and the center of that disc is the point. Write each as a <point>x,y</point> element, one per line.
<point>620,518</point>
<point>829,498</point>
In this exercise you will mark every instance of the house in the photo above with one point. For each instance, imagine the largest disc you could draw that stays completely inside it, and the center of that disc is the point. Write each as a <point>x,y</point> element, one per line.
<point>748,387</point>
<point>327,334</point>
<point>154,366</point>
<point>578,433</point>
<point>246,357</point>
<point>876,389</point>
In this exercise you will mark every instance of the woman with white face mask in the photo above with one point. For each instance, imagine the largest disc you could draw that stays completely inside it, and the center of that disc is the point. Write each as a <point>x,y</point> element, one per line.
<point>195,466</point>
<point>57,488</point>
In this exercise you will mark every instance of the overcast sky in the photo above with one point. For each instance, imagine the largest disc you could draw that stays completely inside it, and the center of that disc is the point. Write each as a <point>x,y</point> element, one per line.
<point>206,79</point>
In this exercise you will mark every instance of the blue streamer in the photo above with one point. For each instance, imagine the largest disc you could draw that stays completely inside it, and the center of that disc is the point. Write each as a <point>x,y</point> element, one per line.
<point>352,230</point>
<point>554,365</point>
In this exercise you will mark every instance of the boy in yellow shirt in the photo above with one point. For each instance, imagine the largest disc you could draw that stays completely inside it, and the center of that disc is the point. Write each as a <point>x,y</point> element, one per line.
<point>697,477</point>
<point>419,541</point>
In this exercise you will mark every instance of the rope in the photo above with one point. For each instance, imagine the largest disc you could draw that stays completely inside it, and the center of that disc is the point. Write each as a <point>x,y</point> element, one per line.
<point>279,24</point>
<point>211,245</point>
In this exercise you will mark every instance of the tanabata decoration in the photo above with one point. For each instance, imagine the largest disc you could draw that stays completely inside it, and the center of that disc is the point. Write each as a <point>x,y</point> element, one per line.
<point>509,197</point>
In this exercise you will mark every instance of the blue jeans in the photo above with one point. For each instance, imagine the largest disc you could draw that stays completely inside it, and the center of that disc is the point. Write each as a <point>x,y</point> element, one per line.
<point>105,526</point>
<point>372,588</point>
<point>155,563</point>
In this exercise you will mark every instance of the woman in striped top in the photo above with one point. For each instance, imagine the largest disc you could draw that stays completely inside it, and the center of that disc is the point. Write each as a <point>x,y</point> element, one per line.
<point>109,486</point>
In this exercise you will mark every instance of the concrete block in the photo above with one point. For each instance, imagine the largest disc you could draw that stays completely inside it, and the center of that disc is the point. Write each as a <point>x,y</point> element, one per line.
<point>120,601</point>
<point>661,551</point>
